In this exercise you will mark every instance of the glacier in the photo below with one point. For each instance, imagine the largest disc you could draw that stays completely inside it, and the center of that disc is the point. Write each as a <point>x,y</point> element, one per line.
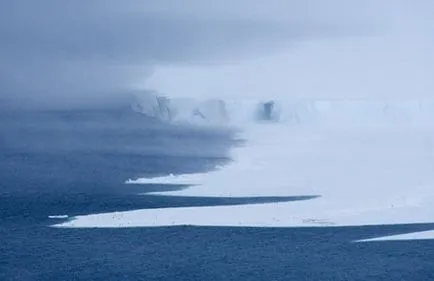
<point>365,162</point>
<point>298,112</point>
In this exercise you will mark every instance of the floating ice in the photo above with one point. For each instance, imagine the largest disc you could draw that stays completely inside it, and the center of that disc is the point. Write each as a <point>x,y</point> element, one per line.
<point>58,216</point>
<point>423,235</point>
<point>363,176</point>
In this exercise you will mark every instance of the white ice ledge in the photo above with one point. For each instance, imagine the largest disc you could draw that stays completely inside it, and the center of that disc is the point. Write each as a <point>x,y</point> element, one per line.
<point>423,235</point>
<point>366,177</point>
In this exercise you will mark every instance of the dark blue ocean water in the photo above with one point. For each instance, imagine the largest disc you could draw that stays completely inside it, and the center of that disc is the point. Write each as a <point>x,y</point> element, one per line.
<point>76,162</point>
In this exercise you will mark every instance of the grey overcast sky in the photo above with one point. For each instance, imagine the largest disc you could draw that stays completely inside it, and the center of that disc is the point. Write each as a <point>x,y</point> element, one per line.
<point>58,53</point>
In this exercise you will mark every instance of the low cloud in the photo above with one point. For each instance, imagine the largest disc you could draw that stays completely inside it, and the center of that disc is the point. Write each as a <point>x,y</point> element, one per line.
<point>65,53</point>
